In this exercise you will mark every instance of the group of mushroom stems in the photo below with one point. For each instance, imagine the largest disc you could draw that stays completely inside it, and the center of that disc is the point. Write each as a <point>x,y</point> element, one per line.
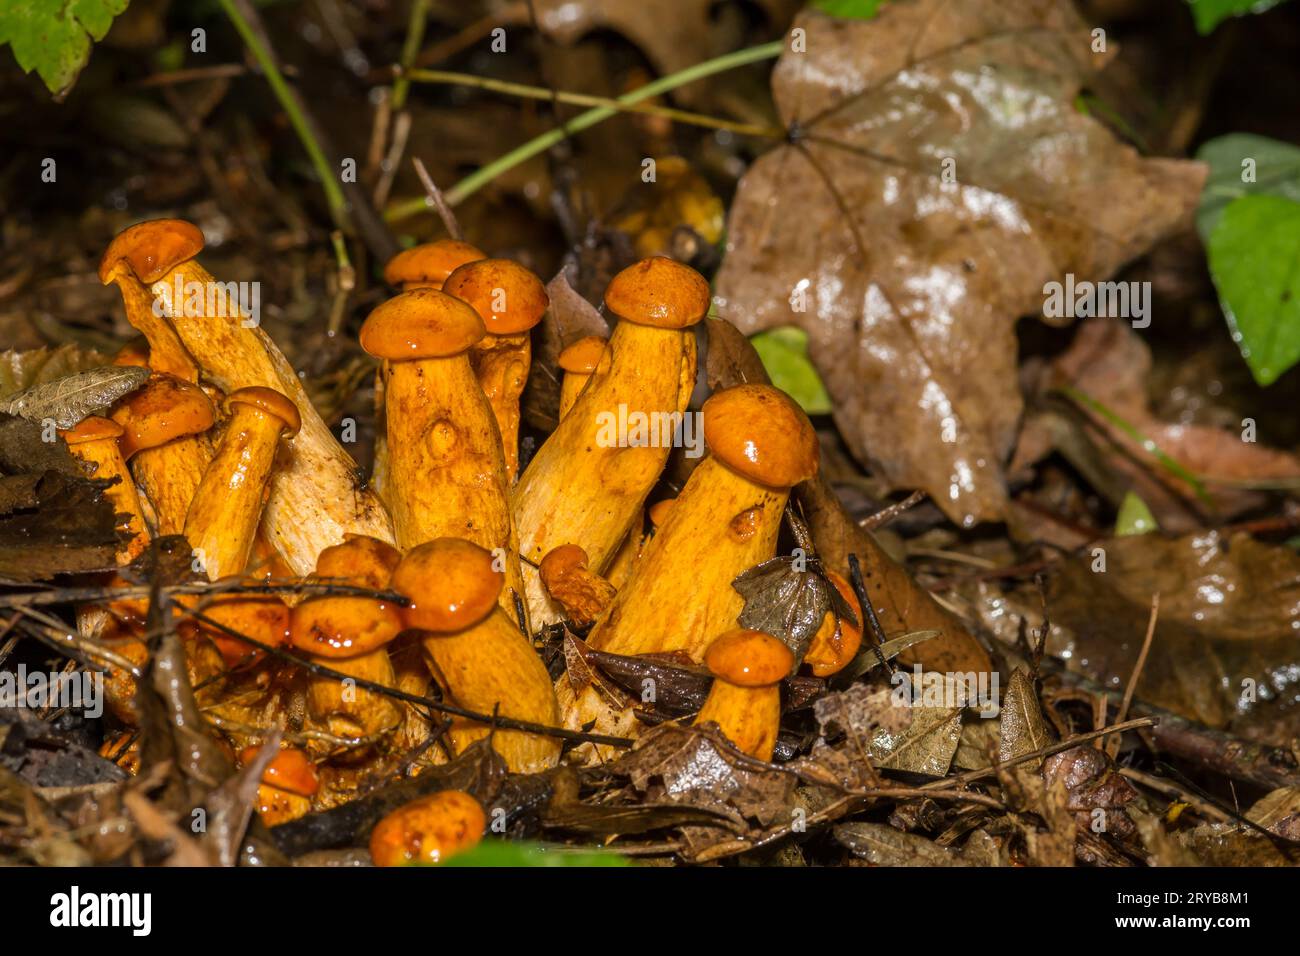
<point>223,446</point>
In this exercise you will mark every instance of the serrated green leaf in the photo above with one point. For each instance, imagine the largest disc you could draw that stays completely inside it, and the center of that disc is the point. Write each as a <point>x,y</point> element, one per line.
<point>784,353</point>
<point>504,853</point>
<point>1272,166</point>
<point>53,37</point>
<point>849,9</point>
<point>1134,517</point>
<point>1208,14</point>
<point>1254,255</point>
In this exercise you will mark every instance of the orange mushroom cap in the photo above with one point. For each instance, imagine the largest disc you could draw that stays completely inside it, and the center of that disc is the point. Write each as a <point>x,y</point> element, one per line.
<point>562,559</point>
<point>429,830</point>
<point>429,264</point>
<point>335,625</point>
<point>826,655</point>
<point>583,356</point>
<point>151,249</point>
<point>91,428</point>
<point>290,770</point>
<point>659,291</point>
<point>451,583</point>
<point>163,409</point>
<point>271,402</point>
<point>263,617</point>
<point>749,658</point>
<point>421,324</point>
<point>489,284</point>
<point>758,431</point>
<point>659,511</point>
<point>135,352</point>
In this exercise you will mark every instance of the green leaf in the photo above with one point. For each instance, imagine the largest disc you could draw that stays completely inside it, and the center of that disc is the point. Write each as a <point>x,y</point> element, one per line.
<point>504,853</point>
<point>1208,14</point>
<point>849,9</point>
<point>1272,167</point>
<point>1254,255</point>
<point>1134,517</point>
<point>784,352</point>
<point>53,37</point>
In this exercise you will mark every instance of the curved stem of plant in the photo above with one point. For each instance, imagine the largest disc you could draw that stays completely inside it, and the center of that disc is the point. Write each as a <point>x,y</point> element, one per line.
<point>333,193</point>
<point>477,180</point>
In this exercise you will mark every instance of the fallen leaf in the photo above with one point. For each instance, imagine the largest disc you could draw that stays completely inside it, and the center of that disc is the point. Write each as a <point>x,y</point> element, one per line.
<point>882,845</point>
<point>52,523</point>
<point>909,284</point>
<point>789,597</point>
<point>68,400</point>
<point>1023,729</point>
<point>892,733</point>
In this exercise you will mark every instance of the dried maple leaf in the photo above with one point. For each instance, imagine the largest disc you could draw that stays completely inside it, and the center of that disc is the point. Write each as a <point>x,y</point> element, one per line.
<point>911,280</point>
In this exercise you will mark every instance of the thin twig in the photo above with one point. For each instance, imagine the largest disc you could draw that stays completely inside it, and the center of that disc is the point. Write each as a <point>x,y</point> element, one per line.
<point>437,201</point>
<point>1133,678</point>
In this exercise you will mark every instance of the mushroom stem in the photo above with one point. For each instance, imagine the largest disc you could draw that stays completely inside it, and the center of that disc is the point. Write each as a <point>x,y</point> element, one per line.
<point>501,366</point>
<point>222,519</point>
<point>748,716</point>
<point>166,352</point>
<point>94,442</point>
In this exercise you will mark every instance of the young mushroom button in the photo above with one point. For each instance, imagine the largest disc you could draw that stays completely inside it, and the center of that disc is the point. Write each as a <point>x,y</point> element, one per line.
<point>510,300</point>
<point>745,699</point>
<point>429,830</point>
<point>726,520</point>
<point>582,593</point>
<point>446,470</point>
<point>579,362</point>
<point>288,784</point>
<point>475,652</point>
<point>586,485</point>
<point>223,517</point>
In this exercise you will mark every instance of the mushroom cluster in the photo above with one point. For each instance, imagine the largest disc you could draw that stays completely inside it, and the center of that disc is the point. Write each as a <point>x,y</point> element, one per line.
<point>364,623</point>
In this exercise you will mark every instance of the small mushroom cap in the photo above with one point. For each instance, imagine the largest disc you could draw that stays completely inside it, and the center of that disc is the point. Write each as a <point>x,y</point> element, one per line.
<point>451,584</point>
<point>827,655</point>
<point>163,409</point>
<point>337,625</point>
<point>490,284</point>
<point>92,428</point>
<point>151,249</point>
<point>429,263</point>
<point>659,291</point>
<point>421,324</point>
<point>748,658</point>
<point>659,511</point>
<point>290,770</point>
<point>561,560</point>
<point>583,355</point>
<point>758,431</point>
<point>429,830</point>
<point>271,402</point>
<point>263,617</point>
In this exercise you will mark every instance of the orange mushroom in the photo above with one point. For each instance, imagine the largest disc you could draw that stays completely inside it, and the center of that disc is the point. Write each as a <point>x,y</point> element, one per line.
<point>427,265</point>
<point>745,699</point>
<point>429,830</point>
<point>837,640</point>
<point>510,300</point>
<point>579,362</point>
<point>475,651</point>
<point>582,593</point>
<point>94,440</point>
<point>288,784</point>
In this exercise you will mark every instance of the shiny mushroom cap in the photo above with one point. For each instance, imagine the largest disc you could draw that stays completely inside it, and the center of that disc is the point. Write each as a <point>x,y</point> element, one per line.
<point>338,625</point>
<point>290,770</point>
<point>748,658</point>
<point>262,617</point>
<point>428,264</point>
<point>583,356</point>
<point>758,431</point>
<point>163,409</point>
<point>151,249</point>
<point>421,324</point>
<point>659,291</point>
<point>429,830</point>
<point>828,653</point>
<point>508,297</point>
<point>561,560</point>
<point>92,428</point>
<point>269,402</point>
<point>452,585</point>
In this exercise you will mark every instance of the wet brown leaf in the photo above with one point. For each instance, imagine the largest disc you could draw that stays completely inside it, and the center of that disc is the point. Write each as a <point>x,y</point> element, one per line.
<point>891,733</point>
<point>912,283</point>
<point>882,845</point>
<point>52,523</point>
<point>789,597</point>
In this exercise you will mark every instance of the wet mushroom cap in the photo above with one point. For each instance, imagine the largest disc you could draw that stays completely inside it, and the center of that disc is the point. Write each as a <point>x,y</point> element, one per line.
<point>430,263</point>
<point>92,428</point>
<point>163,409</point>
<point>561,560</point>
<point>489,284</point>
<point>659,291</point>
<point>749,658</point>
<point>271,402</point>
<point>290,770</point>
<point>421,324</point>
<point>428,830</point>
<point>758,431</point>
<point>452,585</point>
<point>264,618</point>
<point>339,625</point>
<point>825,655</point>
<point>151,249</point>
<point>583,356</point>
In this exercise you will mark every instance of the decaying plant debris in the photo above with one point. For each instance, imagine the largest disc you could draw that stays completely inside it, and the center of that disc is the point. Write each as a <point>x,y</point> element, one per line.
<point>366,583</point>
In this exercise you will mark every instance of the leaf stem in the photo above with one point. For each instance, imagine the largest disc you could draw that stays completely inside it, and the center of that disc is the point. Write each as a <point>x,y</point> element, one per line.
<point>477,180</point>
